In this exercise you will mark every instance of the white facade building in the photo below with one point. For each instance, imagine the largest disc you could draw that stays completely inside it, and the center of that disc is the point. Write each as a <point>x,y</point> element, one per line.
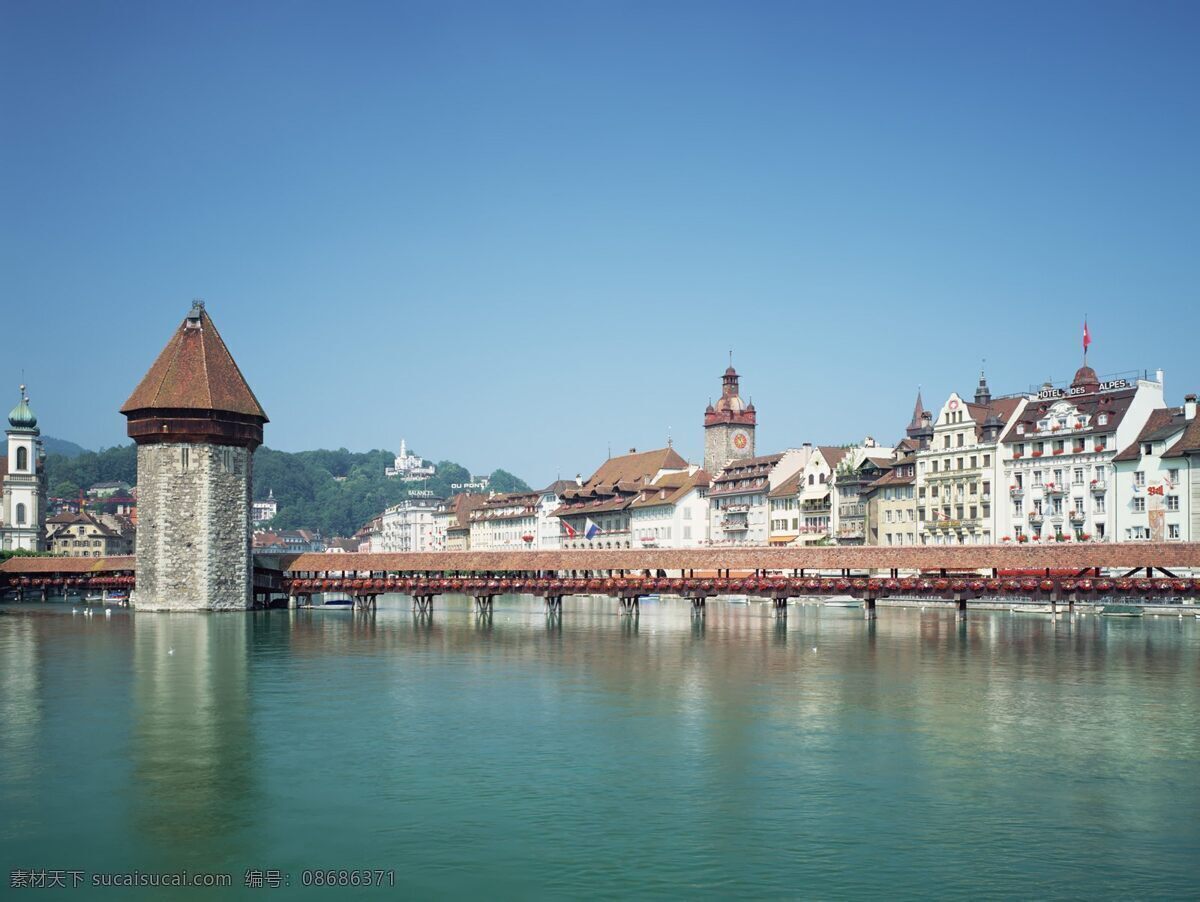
<point>409,467</point>
<point>958,472</point>
<point>1058,458</point>
<point>23,515</point>
<point>738,502</point>
<point>672,512</point>
<point>1155,488</point>
<point>262,511</point>
<point>408,526</point>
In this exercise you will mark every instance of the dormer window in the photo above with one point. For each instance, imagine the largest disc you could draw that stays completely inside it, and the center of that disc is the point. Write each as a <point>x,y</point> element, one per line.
<point>1020,428</point>
<point>1102,419</point>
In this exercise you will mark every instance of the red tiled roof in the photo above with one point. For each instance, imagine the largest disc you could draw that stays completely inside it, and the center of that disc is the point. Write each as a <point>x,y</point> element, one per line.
<point>670,489</point>
<point>789,486</point>
<point>1078,556</point>
<point>195,371</point>
<point>1189,442</point>
<point>1114,403</point>
<point>49,564</point>
<point>1160,425</point>
<point>833,455</point>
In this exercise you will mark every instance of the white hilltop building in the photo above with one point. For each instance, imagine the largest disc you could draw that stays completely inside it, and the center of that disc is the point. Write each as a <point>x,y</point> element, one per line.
<point>408,467</point>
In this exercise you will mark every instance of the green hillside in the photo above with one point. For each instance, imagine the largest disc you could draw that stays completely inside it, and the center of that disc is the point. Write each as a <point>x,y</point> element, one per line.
<point>333,491</point>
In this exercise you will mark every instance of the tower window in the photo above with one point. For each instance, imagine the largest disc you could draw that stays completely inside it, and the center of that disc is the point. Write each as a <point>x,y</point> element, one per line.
<point>185,458</point>
<point>22,458</point>
<point>21,512</point>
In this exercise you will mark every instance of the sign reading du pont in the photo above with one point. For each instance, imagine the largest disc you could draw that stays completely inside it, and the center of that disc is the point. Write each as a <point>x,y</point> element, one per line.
<point>1112,385</point>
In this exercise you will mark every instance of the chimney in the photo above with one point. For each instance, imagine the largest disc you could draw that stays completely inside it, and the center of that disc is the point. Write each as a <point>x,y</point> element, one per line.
<point>1189,407</point>
<point>579,479</point>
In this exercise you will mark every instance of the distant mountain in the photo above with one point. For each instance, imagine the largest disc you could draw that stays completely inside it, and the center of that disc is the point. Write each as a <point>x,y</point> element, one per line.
<point>53,446</point>
<point>62,446</point>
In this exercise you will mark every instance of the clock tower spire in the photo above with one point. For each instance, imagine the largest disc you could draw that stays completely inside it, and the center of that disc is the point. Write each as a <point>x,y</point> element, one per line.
<point>728,425</point>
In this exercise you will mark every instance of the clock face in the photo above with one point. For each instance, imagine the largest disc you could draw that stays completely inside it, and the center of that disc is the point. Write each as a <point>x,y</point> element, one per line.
<point>740,440</point>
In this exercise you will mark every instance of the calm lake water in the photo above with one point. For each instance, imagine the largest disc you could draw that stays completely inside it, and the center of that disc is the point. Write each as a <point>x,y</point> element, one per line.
<point>607,757</point>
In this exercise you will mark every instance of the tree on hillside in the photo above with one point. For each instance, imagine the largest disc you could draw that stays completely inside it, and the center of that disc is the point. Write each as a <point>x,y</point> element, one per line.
<point>504,481</point>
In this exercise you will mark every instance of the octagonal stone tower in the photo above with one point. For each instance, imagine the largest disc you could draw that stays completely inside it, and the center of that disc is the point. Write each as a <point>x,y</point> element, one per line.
<point>196,424</point>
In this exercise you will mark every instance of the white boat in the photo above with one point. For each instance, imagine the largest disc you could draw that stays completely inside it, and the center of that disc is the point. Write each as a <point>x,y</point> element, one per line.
<point>843,601</point>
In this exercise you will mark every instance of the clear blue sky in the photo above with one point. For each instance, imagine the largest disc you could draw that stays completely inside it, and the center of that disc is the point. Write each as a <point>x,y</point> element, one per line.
<point>515,233</point>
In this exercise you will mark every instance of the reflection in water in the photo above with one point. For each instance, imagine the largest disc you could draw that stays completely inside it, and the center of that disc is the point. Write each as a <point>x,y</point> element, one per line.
<point>523,754</point>
<point>195,794</point>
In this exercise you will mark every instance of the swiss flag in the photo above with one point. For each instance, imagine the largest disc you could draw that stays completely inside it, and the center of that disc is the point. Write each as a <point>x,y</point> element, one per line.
<point>570,530</point>
<point>1087,336</point>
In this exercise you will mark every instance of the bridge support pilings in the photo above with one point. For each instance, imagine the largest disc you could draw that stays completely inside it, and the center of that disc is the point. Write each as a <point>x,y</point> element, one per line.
<point>630,604</point>
<point>365,602</point>
<point>554,604</point>
<point>422,604</point>
<point>960,605</point>
<point>698,605</point>
<point>869,610</point>
<point>781,606</point>
<point>483,604</point>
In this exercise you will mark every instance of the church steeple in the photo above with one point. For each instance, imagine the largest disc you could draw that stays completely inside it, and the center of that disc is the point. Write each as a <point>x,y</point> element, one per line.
<point>915,426</point>
<point>983,395</point>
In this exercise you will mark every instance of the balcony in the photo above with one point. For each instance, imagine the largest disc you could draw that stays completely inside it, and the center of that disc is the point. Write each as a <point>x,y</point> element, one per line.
<point>1076,516</point>
<point>1016,491</point>
<point>1099,486</point>
<point>985,498</point>
<point>1054,490</point>
<point>734,525</point>
<point>737,509</point>
<point>1036,517</point>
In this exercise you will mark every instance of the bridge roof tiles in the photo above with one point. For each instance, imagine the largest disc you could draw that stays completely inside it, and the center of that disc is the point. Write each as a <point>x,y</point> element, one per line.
<point>48,564</point>
<point>950,557</point>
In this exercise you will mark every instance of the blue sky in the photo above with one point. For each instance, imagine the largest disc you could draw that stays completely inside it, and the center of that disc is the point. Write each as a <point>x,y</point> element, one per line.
<point>517,233</point>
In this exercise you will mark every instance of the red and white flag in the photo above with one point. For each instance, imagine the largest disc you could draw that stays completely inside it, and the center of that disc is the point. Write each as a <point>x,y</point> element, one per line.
<point>570,530</point>
<point>1087,336</point>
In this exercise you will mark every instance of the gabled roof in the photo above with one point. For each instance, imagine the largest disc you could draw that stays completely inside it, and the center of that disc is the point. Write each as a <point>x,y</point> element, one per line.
<point>789,486</point>
<point>195,371</point>
<point>1189,442</point>
<point>1160,426</point>
<point>670,489</point>
<point>833,455</point>
<point>637,466</point>
<point>1114,403</point>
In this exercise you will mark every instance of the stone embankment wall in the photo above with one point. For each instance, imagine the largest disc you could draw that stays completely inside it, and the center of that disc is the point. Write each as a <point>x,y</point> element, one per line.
<point>193,528</point>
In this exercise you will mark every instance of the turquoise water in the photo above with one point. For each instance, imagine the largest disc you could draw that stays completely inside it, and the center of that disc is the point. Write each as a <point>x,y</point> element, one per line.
<point>607,757</point>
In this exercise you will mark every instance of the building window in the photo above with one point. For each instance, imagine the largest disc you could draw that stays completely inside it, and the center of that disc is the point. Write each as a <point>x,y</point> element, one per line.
<point>1077,476</point>
<point>21,512</point>
<point>1172,502</point>
<point>184,459</point>
<point>1147,449</point>
<point>1172,530</point>
<point>22,459</point>
<point>1173,477</point>
<point>1139,479</point>
<point>1098,504</point>
<point>1139,505</point>
<point>1102,419</point>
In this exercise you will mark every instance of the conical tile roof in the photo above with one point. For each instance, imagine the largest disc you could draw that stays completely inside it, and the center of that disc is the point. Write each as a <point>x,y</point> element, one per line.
<point>195,371</point>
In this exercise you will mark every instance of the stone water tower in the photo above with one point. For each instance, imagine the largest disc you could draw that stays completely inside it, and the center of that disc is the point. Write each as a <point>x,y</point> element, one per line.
<point>196,424</point>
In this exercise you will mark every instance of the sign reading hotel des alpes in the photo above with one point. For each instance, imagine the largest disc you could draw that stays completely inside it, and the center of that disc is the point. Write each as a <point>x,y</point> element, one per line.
<point>1113,385</point>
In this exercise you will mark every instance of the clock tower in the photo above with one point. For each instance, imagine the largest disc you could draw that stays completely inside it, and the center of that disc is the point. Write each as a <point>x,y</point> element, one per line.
<point>728,426</point>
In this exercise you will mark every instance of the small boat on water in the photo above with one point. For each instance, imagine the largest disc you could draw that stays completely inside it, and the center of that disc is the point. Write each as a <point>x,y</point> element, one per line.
<point>842,601</point>
<point>1033,609</point>
<point>1122,610</point>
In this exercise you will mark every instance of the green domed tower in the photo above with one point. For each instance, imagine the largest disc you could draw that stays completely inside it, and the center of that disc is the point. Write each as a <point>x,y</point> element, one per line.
<point>24,483</point>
